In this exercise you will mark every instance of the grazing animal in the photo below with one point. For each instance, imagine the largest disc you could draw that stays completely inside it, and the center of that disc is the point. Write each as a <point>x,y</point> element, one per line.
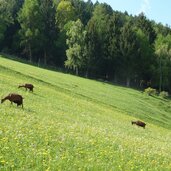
<point>16,98</point>
<point>27,86</point>
<point>139,123</point>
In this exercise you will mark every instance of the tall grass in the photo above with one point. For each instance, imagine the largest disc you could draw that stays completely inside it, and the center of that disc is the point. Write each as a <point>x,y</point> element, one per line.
<point>71,123</point>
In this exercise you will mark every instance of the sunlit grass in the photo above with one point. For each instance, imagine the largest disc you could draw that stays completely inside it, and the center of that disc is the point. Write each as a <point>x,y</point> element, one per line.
<point>71,123</point>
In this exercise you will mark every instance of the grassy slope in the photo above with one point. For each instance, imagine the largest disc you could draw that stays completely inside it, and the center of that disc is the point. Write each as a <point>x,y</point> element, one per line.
<point>71,123</point>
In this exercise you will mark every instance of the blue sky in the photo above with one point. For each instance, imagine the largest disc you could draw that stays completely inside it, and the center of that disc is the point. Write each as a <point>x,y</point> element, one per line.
<point>157,10</point>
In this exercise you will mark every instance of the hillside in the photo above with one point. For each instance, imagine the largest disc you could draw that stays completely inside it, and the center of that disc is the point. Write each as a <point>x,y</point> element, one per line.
<point>72,123</point>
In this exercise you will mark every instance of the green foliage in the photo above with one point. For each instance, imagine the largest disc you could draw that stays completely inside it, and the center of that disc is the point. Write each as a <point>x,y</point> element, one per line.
<point>116,47</point>
<point>146,25</point>
<point>163,52</point>
<point>48,29</point>
<point>30,21</point>
<point>96,39</point>
<point>161,29</point>
<point>37,30</point>
<point>75,41</point>
<point>5,16</point>
<point>129,50</point>
<point>146,57</point>
<point>164,94</point>
<point>71,123</point>
<point>65,12</point>
<point>83,10</point>
<point>150,91</point>
<point>113,61</point>
<point>100,16</point>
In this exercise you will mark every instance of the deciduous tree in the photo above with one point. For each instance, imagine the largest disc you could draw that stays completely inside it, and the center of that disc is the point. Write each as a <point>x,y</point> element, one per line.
<point>76,49</point>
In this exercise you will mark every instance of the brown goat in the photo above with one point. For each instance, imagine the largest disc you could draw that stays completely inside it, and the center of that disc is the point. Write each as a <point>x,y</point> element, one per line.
<point>139,123</point>
<point>27,86</point>
<point>16,98</point>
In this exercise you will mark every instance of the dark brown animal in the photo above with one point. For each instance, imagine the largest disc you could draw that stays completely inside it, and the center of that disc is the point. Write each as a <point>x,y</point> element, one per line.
<point>16,98</point>
<point>139,123</point>
<point>27,86</point>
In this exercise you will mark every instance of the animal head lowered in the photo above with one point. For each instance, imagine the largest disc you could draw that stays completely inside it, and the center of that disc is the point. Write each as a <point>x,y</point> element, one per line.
<point>139,123</point>
<point>27,86</point>
<point>20,86</point>
<point>5,98</point>
<point>133,122</point>
<point>14,98</point>
<point>2,100</point>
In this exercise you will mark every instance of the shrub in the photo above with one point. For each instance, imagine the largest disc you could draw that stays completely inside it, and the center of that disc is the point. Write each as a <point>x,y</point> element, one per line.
<point>164,94</point>
<point>150,91</point>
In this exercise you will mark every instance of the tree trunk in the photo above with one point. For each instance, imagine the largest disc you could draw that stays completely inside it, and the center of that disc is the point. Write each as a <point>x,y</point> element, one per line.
<point>76,71</point>
<point>45,57</point>
<point>87,73</point>
<point>106,76</point>
<point>30,53</point>
<point>38,64</point>
<point>160,82</point>
<point>115,78</point>
<point>128,81</point>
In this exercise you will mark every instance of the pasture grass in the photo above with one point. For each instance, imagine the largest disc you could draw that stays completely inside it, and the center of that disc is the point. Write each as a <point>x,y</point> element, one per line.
<point>72,123</point>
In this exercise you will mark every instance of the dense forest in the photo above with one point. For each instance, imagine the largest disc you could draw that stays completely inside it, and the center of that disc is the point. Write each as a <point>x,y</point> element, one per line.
<point>87,39</point>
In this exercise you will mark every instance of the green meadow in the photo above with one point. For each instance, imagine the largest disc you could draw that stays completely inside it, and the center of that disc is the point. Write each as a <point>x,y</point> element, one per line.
<point>71,123</point>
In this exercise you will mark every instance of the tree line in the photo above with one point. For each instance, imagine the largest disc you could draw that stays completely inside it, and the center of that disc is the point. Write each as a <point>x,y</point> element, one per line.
<point>87,39</point>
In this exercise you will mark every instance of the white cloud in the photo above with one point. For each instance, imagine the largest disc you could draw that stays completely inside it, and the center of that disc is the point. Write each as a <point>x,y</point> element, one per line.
<point>145,6</point>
